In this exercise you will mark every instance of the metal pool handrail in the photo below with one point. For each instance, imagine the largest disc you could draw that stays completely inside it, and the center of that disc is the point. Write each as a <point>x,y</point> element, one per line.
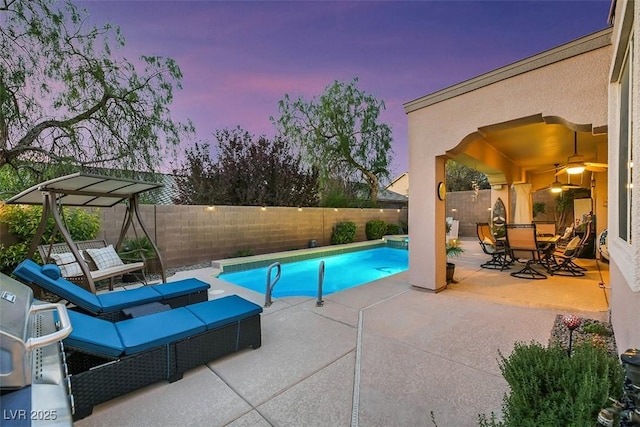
<point>267,293</point>
<point>320,303</point>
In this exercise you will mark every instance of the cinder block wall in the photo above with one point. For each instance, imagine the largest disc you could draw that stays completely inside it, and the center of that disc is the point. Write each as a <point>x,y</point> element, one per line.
<point>469,209</point>
<point>192,234</point>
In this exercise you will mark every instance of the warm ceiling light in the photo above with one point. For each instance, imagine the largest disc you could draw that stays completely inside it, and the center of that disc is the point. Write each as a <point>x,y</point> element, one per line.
<point>556,187</point>
<point>575,169</point>
<point>575,162</point>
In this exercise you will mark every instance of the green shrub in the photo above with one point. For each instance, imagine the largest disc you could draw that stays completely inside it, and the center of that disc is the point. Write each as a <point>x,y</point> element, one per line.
<point>23,221</point>
<point>596,328</point>
<point>375,229</point>
<point>548,388</point>
<point>137,247</point>
<point>11,256</point>
<point>394,229</point>
<point>343,232</point>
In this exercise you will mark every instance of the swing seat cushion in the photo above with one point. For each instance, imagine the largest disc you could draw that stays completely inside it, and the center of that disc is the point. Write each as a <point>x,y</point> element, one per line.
<point>116,270</point>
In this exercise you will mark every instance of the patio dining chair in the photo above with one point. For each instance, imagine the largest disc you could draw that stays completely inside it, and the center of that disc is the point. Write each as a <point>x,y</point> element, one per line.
<point>565,238</point>
<point>545,228</point>
<point>496,250</point>
<point>523,247</point>
<point>562,262</point>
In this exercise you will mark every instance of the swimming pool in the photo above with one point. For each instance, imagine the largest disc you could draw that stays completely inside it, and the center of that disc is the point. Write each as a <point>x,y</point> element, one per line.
<point>343,271</point>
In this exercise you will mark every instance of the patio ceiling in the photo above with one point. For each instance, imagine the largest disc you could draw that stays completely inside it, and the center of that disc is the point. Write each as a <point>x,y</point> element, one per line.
<point>520,150</point>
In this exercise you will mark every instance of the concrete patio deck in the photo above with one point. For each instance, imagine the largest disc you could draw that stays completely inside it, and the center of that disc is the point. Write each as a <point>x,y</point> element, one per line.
<point>382,354</point>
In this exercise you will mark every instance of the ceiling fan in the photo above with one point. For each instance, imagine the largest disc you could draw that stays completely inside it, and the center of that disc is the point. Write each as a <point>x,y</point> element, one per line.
<point>576,164</point>
<point>558,187</point>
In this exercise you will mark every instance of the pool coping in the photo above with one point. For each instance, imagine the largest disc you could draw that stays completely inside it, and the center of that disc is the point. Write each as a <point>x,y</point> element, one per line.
<point>232,265</point>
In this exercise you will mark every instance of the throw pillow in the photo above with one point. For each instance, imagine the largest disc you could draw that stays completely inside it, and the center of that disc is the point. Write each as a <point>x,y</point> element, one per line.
<point>105,257</point>
<point>69,267</point>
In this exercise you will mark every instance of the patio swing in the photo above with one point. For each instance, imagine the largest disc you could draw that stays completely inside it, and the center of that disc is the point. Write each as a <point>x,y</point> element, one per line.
<point>88,190</point>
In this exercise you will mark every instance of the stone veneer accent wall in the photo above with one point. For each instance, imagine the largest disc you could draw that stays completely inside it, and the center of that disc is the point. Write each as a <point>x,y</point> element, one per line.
<point>192,234</point>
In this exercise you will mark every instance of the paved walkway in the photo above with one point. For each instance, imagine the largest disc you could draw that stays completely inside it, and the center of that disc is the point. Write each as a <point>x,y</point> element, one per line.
<point>383,354</point>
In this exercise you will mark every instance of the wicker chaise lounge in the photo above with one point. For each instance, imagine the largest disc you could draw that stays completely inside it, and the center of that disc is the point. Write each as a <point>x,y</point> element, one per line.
<point>107,359</point>
<point>110,305</point>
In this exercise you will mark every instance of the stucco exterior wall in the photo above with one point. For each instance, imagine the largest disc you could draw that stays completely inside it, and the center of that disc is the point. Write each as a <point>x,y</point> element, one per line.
<point>625,257</point>
<point>574,89</point>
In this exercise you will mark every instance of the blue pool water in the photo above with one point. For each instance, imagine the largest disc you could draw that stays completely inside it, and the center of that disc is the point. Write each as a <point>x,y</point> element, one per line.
<point>341,272</point>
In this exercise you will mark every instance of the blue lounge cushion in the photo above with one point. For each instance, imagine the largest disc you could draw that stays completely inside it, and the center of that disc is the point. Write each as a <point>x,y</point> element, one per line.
<point>146,332</point>
<point>94,335</point>
<point>177,288</point>
<point>223,311</point>
<point>117,300</point>
<point>31,272</point>
<point>48,276</point>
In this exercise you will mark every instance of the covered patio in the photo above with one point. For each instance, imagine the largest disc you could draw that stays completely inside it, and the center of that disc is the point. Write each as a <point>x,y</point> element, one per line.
<point>522,125</point>
<point>588,293</point>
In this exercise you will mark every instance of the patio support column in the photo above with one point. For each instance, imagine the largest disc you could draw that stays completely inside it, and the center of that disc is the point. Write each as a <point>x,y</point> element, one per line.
<point>427,258</point>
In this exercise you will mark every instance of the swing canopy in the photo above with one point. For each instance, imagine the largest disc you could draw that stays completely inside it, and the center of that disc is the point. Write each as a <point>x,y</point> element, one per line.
<point>87,190</point>
<point>82,189</point>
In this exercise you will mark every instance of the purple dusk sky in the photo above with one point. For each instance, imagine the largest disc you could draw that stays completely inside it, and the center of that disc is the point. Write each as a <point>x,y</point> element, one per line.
<point>240,58</point>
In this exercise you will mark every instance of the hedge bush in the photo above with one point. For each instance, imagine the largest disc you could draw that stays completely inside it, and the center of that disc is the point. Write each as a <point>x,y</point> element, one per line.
<point>394,229</point>
<point>343,232</point>
<point>375,229</point>
<point>23,221</point>
<point>548,388</point>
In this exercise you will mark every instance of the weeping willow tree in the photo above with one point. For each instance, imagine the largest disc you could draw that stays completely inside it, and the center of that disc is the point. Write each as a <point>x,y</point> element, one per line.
<point>67,98</point>
<point>340,135</point>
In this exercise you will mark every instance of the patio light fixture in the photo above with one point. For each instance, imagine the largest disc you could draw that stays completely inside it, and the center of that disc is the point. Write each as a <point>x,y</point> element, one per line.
<point>575,168</point>
<point>575,163</point>
<point>556,186</point>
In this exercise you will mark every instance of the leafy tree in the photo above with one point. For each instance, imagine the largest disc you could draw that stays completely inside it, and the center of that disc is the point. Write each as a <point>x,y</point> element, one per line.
<point>462,178</point>
<point>23,221</point>
<point>564,206</point>
<point>248,171</point>
<point>197,178</point>
<point>339,134</point>
<point>64,97</point>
